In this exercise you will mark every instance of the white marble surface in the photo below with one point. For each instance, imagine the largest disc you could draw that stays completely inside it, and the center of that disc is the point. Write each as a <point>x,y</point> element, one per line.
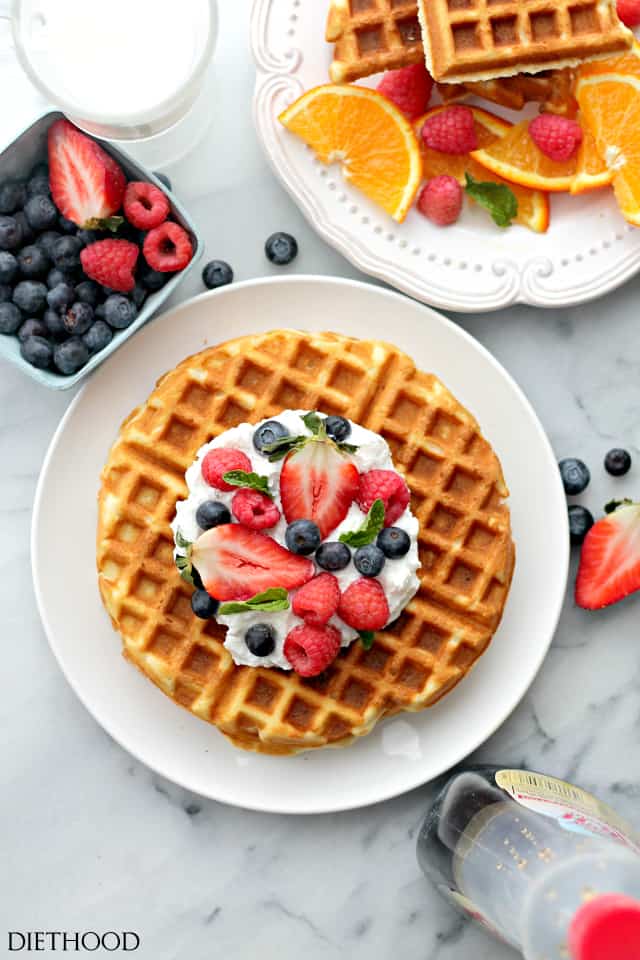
<point>91,839</point>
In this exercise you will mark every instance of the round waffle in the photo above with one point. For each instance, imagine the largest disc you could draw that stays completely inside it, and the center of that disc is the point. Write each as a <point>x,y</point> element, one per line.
<point>458,494</point>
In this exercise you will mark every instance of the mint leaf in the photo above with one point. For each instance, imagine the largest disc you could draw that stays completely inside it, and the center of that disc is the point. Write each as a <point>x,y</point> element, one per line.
<point>313,422</point>
<point>182,542</point>
<point>369,530</point>
<point>280,448</point>
<point>269,601</point>
<point>367,637</point>
<point>497,198</point>
<point>185,569</point>
<point>251,481</point>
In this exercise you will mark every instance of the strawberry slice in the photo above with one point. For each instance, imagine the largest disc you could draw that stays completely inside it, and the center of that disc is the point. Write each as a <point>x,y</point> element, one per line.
<point>87,185</point>
<point>236,563</point>
<point>610,559</point>
<point>318,483</point>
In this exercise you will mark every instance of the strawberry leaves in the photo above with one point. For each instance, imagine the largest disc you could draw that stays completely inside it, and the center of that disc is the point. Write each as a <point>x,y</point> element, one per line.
<point>369,530</point>
<point>313,422</point>
<point>269,601</point>
<point>251,481</point>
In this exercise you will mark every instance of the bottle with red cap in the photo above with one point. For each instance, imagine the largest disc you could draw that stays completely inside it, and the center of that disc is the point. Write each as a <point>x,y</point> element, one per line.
<point>540,863</point>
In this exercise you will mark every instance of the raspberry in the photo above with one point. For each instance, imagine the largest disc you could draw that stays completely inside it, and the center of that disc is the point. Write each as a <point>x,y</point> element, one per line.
<point>409,88</point>
<point>254,509</point>
<point>220,461</point>
<point>629,12</point>
<point>451,131</point>
<point>167,248</point>
<point>364,606</point>
<point>385,485</point>
<point>317,601</point>
<point>441,200</point>
<point>310,649</point>
<point>557,137</point>
<point>145,206</point>
<point>111,263</point>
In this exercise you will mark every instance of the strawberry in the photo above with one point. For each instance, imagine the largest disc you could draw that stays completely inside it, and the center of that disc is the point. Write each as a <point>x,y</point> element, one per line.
<point>610,560</point>
<point>87,185</point>
<point>236,563</point>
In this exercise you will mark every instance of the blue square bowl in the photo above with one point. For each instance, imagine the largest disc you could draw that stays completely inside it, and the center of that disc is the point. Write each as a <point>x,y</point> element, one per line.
<point>15,161</point>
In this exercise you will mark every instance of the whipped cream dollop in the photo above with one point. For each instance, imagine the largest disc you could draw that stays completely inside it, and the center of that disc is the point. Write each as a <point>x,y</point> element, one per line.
<point>398,576</point>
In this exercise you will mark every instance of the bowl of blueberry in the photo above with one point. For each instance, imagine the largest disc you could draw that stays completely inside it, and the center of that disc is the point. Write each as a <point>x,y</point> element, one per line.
<point>91,244</point>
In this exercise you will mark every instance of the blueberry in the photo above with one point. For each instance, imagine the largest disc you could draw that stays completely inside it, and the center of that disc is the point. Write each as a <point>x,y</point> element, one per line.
<point>6,292</point>
<point>575,476</point>
<point>10,233</point>
<point>369,560</point>
<point>580,522</point>
<point>281,248</point>
<point>119,311</point>
<point>302,537</point>
<point>56,276</point>
<point>70,356</point>
<point>89,292</point>
<point>78,318</point>
<point>66,253</point>
<point>41,212</point>
<point>38,185</point>
<point>333,555</point>
<point>87,236</point>
<point>98,336</point>
<point>338,428</point>
<point>37,351</point>
<point>47,240</point>
<point>163,178</point>
<point>267,433</point>
<point>617,462</point>
<point>31,297</point>
<point>212,513</point>
<point>10,318</point>
<point>217,273</point>
<point>203,605</point>
<point>61,297</point>
<point>153,280</point>
<point>13,195</point>
<point>8,266</point>
<point>33,262</point>
<point>67,226</point>
<point>260,639</point>
<point>54,322</point>
<point>138,295</point>
<point>99,311</point>
<point>393,542</point>
<point>28,235</point>
<point>32,328</point>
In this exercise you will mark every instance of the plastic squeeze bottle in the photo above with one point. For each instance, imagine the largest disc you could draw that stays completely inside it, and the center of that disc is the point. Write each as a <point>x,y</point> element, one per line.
<point>541,864</point>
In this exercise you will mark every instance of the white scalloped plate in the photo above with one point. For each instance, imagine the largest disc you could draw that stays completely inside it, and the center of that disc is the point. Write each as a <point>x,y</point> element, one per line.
<point>474,266</point>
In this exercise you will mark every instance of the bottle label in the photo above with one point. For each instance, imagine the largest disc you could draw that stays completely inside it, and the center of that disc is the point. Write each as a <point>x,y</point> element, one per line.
<point>573,809</point>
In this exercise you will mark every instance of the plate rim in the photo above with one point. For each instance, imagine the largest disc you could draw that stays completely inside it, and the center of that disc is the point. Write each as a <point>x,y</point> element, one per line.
<point>215,792</point>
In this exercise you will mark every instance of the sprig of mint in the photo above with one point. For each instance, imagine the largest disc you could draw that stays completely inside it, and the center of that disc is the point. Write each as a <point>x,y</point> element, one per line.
<point>369,530</point>
<point>497,198</point>
<point>313,422</point>
<point>252,481</point>
<point>183,562</point>
<point>269,601</point>
<point>367,637</point>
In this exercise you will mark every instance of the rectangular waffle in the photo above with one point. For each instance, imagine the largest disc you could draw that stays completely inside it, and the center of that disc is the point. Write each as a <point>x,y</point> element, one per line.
<point>481,39</point>
<point>371,36</point>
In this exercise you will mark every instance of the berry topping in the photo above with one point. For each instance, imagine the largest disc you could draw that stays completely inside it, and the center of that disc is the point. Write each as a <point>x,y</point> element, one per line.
<point>338,428</point>
<point>451,131</point>
<point>212,513</point>
<point>281,248</point>
<point>260,639</point>
<point>217,273</point>
<point>318,482</point>
<point>111,263</point>
<point>87,185</point>
<point>310,649</point>
<point>440,200</point>
<point>236,563</point>
<point>610,560</point>
<point>254,509</point>
<point>268,433</point>
<point>364,606</point>
<point>302,537</point>
<point>369,560</point>
<point>617,462</point>
<point>145,206</point>
<point>203,605</point>
<point>317,601</point>
<point>98,336</point>
<point>37,351</point>
<point>220,461</point>
<point>333,555</point>
<point>629,12</point>
<point>557,137</point>
<point>70,356</point>
<point>575,476</point>
<point>119,311</point>
<point>409,88</point>
<point>393,542</point>
<point>385,485</point>
<point>167,248</point>
<point>580,522</point>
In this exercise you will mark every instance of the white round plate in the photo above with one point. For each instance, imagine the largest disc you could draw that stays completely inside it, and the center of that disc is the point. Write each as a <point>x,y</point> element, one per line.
<point>401,753</point>
<point>473,266</point>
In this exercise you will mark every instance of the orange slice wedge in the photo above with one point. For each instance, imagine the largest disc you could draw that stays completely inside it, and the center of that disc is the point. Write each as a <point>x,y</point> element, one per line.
<point>533,205</point>
<point>374,142</point>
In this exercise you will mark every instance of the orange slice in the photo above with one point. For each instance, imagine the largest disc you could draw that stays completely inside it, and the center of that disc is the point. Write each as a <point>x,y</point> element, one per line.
<point>367,133</point>
<point>533,205</point>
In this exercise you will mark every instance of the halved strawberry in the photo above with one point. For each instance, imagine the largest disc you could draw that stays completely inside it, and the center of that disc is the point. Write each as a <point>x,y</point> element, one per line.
<point>610,559</point>
<point>318,482</point>
<point>87,185</point>
<point>236,563</point>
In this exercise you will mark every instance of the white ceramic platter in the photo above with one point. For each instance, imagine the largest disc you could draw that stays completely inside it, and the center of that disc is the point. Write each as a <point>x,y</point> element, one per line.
<point>400,753</point>
<point>473,266</point>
